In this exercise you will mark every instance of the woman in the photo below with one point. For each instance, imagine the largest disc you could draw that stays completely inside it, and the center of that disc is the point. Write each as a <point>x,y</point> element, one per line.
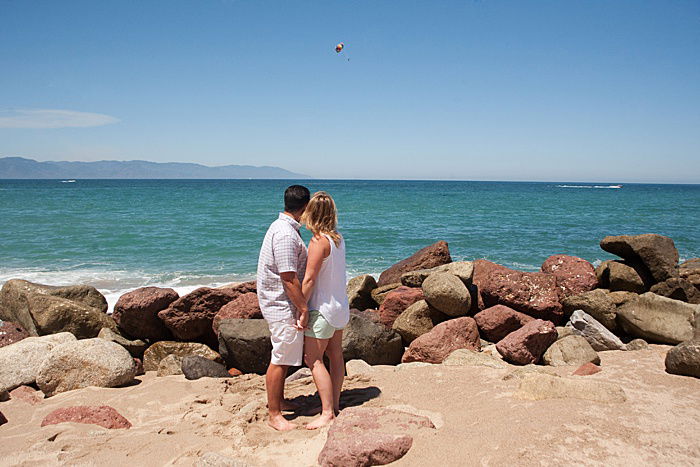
<point>324,288</point>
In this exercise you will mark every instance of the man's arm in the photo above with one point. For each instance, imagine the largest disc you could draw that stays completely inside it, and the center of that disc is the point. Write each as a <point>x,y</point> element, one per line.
<point>292,287</point>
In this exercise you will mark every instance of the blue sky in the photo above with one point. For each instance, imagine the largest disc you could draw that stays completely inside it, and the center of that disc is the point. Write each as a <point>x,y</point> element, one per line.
<point>475,90</point>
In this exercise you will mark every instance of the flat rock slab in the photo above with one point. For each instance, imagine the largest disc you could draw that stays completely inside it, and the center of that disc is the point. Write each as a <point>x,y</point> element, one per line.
<point>658,319</point>
<point>103,416</point>
<point>536,386</point>
<point>465,357</point>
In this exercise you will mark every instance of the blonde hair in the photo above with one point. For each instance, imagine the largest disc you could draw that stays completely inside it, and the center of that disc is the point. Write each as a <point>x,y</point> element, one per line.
<point>321,217</point>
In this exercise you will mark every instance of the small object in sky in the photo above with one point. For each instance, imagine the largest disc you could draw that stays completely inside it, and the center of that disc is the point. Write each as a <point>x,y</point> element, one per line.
<point>339,47</point>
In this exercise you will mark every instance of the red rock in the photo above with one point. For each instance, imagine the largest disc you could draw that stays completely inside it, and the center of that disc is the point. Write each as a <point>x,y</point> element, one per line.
<point>574,275</point>
<point>587,369</point>
<point>190,317</point>
<point>136,312</point>
<point>435,345</point>
<point>396,302</point>
<point>431,256</point>
<point>235,372</point>
<point>104,416</point>
<point>245,306</point>
<point>11,332</point>
<point>365,436</point>
<point>527,344</point>
<point>498,321</point>
<point>26,394</point>
<point>139,367</point>
<point>3,420</point>
<point>533,293</point>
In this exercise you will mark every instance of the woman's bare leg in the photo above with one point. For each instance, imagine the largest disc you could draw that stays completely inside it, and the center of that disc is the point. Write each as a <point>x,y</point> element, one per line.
<point>334,350</point>
<point>313,356</point>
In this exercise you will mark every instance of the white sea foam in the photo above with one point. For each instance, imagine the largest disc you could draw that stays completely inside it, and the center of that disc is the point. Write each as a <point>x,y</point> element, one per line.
<point>591,186</point>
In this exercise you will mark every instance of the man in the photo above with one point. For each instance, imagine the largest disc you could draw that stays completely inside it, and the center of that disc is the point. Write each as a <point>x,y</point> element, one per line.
<point>281,267</point>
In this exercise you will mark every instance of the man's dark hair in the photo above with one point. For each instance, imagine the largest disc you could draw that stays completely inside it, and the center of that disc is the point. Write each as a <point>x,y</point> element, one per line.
<point>296,197</point>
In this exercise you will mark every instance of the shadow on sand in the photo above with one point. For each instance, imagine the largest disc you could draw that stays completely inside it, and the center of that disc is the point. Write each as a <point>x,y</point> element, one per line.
<point>311,405</point>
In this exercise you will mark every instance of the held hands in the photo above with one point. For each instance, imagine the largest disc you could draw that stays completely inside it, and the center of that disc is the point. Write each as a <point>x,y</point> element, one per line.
<point>302,319</point>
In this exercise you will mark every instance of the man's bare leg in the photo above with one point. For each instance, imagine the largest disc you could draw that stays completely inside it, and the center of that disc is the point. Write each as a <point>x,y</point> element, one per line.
<point>274,383</point>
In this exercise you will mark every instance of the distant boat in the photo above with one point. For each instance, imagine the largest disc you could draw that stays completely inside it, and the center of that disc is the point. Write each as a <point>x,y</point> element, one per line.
<point>615,186</point>
<point>67,181</point>
<point>590,186</point>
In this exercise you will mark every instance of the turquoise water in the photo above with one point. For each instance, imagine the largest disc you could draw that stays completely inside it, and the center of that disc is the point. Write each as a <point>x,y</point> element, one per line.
<point>122,234</point>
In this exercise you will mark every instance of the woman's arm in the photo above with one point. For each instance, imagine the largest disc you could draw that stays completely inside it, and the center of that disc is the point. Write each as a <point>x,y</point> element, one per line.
<point>319,249</point>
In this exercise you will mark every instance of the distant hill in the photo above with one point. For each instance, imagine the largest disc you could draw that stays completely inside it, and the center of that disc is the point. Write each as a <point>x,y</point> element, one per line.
<point>20,167</point>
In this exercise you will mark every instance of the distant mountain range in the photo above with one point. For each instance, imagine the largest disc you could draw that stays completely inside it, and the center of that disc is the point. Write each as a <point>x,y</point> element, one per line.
<point>20,167</point>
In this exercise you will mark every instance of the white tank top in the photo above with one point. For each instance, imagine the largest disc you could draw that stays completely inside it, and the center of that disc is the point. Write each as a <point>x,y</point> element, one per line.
<point>329,296</point>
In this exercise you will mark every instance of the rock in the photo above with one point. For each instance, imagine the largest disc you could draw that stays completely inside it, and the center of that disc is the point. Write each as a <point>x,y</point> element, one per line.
<point>190,317</point>
<point>684,359</point>
<point>301,373</point>
<point>370,341</point>
<point>83,363</point>
<point>357,367</point>
<point>690,271</point>
<point>442,340</point>
<point>596,303</point>
<point>538,386</point>
<point>245,344</point>
<point>11,332</point>
<point>103,416</point>
<point>195,367</point>
<point>426,258</point>
<point>622,297</point>
<point>498,321</point>
<point>527,344</point>
<point>574,275</point>
<point>380,293</point>
<point>27,394</point>
<point>396,302</point>
<point>139,367</point>
<point>171,365</point>
<point>656,252</point>
<point>658,319</point>
<point>587,369</point>
<point>677,289</point>
<point>466,357</point>
<point>447,293</point>
<point>42,309</point>
<point>416,320</point>
<point>364,436</point>
<point>533,293</point>
<point>622,276</point>
<point>158,351</point>
<point>637,344</point>
<point>136,312</point>
<point>572,350</point>
<point>134,347</point>
<point>233,372</point>
<point>244,307</point>
<point>594,332</point>
<point>20,362</point>
<point>564,331</point>
<point>464,270</point>
<point>359,292</point>
<point>602,273</point>
<point>3,419</point>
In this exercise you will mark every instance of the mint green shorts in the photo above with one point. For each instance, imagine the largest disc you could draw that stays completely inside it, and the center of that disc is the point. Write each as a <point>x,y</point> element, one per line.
<point>318,327</point>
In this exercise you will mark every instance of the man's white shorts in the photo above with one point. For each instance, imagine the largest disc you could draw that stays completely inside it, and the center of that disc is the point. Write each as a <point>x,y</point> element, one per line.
<point>287,343</point>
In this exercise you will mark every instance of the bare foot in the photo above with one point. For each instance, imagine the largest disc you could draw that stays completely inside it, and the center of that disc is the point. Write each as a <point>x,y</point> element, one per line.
<point>279,423</point>
<point>323,420</point>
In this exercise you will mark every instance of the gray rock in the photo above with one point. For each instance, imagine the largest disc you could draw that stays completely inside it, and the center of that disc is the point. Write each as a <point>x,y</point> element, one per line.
<point>370,341</point>
<point>417,320</point>
<point>245,344</point>
<point>594,332</point>
<point>134,347</point>
<point>158,351</point>
<point>301,373</point>
<point>621,297</point>
<point>564,331</point>
<point>538,386</point>
<point>447,293</point>
<point>83,363</point>
<point>195,367</point>
<point>658,319</point>
<point>656,252</point>
<point>596,303</point>
<point>20,362</point>
<point>684,359</point>
<point>464,270</point>
<point>627,277</point>
<point>677,289</point>
<point>637,344</point>
<point>359,292</point>
<point>571,350</point>
<point>171,365</point>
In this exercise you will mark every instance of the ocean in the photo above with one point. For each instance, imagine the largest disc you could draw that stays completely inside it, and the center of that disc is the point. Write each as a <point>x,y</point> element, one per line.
<point>118,235</point>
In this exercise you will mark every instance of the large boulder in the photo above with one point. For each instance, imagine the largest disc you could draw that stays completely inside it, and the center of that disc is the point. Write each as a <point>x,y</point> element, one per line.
<point>527,344</point>
<point>690,271</point>
<point>594,332</point>
<point>627,277</point>
<point>571,350</point>
<point>195,367</point>
<point>158,351</point>
<point>136,312</point>
<point>365,339</point>
<point>134,347</point>
<point>657,253</point>
<point>83,363</point>
<point>442,340</point>
<point>416,320</point>
<point>379,294</point>
<point>190,317</point>
<point>396,302</point>
<point>434,255</point>
<point>498,321</point>
<point>245,344</point>
<point>447,293</point>
<point>464,270</point>
<point>246,306</point>
<point>359,290</point>
<point>104,416</point>
<point>574,275</point>
<point>364,436</point>
<point>684,359</point>
<point>596,303</point>
<point>11,332</point>
<point>533,293</point>
<point>42,309</point>
<point>677,289</point>
<point>20,362</point>
<point>658,319</point>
